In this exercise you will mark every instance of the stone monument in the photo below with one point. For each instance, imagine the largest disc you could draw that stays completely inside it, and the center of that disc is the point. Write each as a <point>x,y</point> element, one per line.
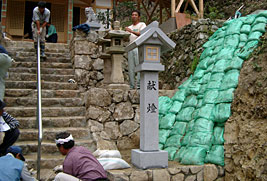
<point>150,43</point>
<point>91,19</point>
<point>116,50</point>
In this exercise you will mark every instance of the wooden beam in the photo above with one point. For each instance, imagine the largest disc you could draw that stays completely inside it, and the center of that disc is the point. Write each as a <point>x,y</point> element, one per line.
<point>201,8</point>
<point>179,6</point>
<point>149,18</point>
<point>168,12</point>
<point>186,5</point>
<point>194,6</point>
<point>173,8</point>
<point>147,13</point>
<point>160,13</point>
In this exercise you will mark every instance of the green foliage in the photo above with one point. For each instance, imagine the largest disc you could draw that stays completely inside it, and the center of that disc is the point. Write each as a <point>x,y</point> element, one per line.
<point>194,63</point>
<point>213,13</point>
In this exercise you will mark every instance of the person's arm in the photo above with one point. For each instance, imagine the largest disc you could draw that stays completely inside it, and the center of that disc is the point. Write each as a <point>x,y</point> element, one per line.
<point>26,175</point>
<point>36,19</point>
<point>131,31</point>
<point>46,18</point>
<point>12,122</point>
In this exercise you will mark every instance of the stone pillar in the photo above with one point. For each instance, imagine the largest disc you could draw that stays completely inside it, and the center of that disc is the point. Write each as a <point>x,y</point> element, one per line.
<point>70,18</point>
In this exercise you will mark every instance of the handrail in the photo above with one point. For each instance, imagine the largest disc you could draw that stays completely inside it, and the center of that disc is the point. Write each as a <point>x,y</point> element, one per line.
<point>39,108</point>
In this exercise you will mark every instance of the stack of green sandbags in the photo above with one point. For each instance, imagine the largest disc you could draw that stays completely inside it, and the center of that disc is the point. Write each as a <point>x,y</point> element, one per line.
<point>192,128</point>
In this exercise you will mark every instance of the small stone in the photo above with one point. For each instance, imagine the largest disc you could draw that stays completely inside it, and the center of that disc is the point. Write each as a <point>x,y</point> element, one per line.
<point>117,175</point>
<point>160,175</point>
<point>126,143</point>
<point>95,126</point>
<point>98,64</point>
<point>127,127</point>
<point>139,176</point>
<point>112,129</point>
<point>123,111</point>
<point>134,96</point>
<point>137,115</point>
<point>106,145</point>
<point>190,178</point>
<point>185,169</point>
<point>178,177</point>
<point>210,172</point>
<point>221,171</point>
<point>104,135</point>
<point>174,171</point>
<point>200,176</point>
<point>117,95</point>
<point>196,169</point>
<point>220,179</point>
<point>98,97</point>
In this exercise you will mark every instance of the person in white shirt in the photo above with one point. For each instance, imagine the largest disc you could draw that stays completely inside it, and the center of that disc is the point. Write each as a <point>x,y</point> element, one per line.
<point>133,58</point>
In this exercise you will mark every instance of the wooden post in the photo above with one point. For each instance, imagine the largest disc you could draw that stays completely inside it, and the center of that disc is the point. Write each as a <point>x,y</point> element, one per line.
<point>201,8</point>
<point>173,8</point>
<point>179,6</point>
<point>160,15</point>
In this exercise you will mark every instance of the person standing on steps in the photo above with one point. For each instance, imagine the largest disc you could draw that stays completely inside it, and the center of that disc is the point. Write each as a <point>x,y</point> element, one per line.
<point>40,19</point>
<point>79,163</point>
<point>5,63</point>
<point>133,57</point>
<point>9,126</point>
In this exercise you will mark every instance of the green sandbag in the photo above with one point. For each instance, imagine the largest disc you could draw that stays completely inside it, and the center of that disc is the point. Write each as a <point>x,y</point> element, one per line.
<point>234,27</point>
<point>163,135</point>
<point>216,155</point>
<point>247,49</point>
<point>186,139</point>
<point>206,78</point>
<point>218,135</point>
<point>194,87</point>
<point>203,64</point>
<point>185,83</point>
<point>174,141</point>
<point>202,90</point>
<point>180,95</point>
<point>255,35</point>
<point>179,154</point>
<point>225,96</point>
<point>243,37</point>
<point>201,139</point>
<point>231,41</point>
<point>190,101</point>
<point>249,19</point>
<point>241,45</point>
<point>226,53</point>
<point>259,27</point>
<point>220,66</point>
<point>208,43</point>
<point>200,103</point>
<point>161,146</point>
<point>217,49</point>
<point>198,74</point>
<point>185,114</point>
<point>210,96</point>
<point>230,80</point>
<point>209,69</point>
<point>221,112</point>
<point>176,106</point>
<point>220,33</point>
<point>178,128</point>
<point>190,126</point>
<point>245,29</point>
<point>194,156</point>
<point>214,85</point>
<point>167,121</point>
<point>205,111</point>
<point>219,42</point>
<point>259,19</point>
<point>171,152</point>
<point>203,125</point>
<point>165,104</point>
<point>217,76</point>
<point>262,14</point>
<point>236,63</point>
<point>206,53</point>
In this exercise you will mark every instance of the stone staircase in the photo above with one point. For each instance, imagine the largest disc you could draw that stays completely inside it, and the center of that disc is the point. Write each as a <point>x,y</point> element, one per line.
<point>62,104</point>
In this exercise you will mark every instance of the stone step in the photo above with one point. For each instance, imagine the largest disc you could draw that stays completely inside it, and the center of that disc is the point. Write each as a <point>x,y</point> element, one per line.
<point>32,49</point>
<point>46,111</point>
<point>43,71</point>
<point>46,102</point>
<point>48,161</point>
<point>31,54</point>
<point>49,59</point>
<point>43,65</point>
<point>45,85</point>
<point>54,122</point>
<point>29,44</point>
<point>49,147</point>
<point>45,93</point>
<point>49,134</point>
<point>13,76</point>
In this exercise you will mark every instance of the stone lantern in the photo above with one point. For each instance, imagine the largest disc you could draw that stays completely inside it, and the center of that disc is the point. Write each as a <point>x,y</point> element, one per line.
<point>116,50</point>
<point>150,43</point>
<point>105,43</point>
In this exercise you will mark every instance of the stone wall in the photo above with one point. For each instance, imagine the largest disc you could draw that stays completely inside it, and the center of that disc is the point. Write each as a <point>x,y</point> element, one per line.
<point>189,41</point>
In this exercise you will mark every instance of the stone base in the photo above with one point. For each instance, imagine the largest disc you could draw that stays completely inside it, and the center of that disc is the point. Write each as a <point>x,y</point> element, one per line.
<point>117,86</point>
<point>153,159</point>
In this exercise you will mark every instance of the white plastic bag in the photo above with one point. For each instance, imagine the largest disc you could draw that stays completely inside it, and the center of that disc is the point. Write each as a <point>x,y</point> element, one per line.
<point>107,154</point>
<point>113,163</point>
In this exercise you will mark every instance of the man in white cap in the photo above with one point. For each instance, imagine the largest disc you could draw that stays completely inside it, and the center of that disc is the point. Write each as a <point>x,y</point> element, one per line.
<point>79,163</point>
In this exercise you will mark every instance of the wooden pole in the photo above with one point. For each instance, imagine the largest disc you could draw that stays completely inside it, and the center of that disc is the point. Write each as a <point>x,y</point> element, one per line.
<point>160,15</point>
<point>179,6</point>
<point>194,6</point>
<point>173,8</point>
<point>201,8</point>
